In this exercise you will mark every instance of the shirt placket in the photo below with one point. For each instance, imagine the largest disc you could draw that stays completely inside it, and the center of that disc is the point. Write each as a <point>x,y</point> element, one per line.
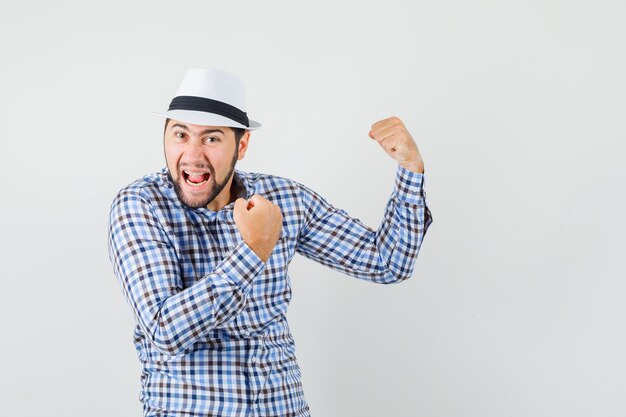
<point>258,371</point>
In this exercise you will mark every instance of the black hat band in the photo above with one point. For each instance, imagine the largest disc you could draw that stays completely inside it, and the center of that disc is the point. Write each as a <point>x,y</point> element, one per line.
<point>210,106</point>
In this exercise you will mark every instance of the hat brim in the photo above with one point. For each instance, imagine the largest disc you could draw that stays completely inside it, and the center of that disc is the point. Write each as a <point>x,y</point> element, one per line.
<point>205,119</point>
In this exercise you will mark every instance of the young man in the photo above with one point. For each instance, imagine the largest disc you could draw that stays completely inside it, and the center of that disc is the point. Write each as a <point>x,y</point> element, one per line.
<point>201,250</point>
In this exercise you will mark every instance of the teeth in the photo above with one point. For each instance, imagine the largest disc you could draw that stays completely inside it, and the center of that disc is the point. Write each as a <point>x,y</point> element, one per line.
<point>195,174</point>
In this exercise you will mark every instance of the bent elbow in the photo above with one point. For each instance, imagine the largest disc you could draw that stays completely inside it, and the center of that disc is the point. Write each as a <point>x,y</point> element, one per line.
<point>166,348</point>
<point>396,278</point>
<point>164,341</point>
<point>399,271</point>
<point>393,276</point>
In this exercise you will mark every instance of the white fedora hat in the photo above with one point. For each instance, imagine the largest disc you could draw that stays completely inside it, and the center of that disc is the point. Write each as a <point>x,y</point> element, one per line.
<point>211,97</point>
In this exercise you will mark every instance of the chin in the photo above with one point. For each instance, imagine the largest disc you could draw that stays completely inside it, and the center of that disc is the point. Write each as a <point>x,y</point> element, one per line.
<point>194,203</point>
<point>190,200</point>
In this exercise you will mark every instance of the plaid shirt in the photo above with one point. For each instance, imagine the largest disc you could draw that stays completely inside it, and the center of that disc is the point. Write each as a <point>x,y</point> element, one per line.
<point>211,333</point>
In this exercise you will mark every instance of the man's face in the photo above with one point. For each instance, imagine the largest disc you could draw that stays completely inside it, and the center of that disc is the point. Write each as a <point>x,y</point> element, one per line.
<point>201,160</point>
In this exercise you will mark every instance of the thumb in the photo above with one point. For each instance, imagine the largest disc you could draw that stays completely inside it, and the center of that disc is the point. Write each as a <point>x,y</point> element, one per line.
<point>240,206</point>
<point>256,199</point>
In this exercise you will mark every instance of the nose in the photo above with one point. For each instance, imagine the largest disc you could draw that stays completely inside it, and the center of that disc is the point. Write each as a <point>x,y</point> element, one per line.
<point>193,155</point>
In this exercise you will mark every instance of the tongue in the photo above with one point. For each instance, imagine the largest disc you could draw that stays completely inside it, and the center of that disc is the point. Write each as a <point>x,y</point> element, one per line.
<point>197,178</point>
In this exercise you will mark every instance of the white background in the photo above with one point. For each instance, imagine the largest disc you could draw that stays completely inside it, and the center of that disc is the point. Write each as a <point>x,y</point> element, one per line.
<point>516,307</point>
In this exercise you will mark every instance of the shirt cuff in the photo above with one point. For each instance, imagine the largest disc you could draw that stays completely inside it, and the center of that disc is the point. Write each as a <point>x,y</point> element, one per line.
<point>242,266</point>
<point>410,186</point>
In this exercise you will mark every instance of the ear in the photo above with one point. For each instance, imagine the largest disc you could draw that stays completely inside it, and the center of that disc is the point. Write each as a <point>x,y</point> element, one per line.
<point>243,144</point>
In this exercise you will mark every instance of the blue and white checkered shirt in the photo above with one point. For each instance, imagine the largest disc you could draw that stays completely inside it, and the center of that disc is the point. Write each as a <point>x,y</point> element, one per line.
<point>212,334</point>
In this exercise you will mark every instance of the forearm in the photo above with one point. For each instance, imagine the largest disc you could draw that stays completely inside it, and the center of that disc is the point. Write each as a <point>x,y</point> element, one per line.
<point>216,298</point>
<point>402,230</point>
<point>147,266</point>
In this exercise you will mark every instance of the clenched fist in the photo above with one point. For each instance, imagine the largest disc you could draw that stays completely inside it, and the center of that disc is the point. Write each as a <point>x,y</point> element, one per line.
<point>392,135</point>
<point>259,221</point>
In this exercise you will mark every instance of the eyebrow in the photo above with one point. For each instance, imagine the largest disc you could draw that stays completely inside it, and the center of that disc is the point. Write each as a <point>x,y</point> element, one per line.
<point>204,132</point>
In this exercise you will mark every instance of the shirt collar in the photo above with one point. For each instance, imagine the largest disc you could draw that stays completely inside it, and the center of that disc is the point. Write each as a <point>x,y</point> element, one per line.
<point>239,186</point>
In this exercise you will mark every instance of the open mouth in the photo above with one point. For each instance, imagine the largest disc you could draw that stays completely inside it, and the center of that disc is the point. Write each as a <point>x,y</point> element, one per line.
<point>196,179</point>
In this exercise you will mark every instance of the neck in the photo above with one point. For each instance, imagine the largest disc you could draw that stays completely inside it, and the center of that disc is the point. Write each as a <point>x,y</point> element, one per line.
<point>225,197</point>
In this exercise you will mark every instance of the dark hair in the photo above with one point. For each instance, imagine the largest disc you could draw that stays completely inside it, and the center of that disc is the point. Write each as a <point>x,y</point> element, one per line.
<point>239,131</point>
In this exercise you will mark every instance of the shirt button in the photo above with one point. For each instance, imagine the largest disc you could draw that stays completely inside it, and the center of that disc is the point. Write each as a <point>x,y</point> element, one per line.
<point>253,359</point>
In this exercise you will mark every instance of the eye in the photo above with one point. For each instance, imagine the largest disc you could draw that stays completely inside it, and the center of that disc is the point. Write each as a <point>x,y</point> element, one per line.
<point>179,135</point>
<point>211,139</point>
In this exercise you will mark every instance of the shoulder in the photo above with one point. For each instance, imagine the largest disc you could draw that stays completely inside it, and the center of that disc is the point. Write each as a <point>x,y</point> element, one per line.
<point>268,184</point>
<point>281,190</point>
<point>151,190</point>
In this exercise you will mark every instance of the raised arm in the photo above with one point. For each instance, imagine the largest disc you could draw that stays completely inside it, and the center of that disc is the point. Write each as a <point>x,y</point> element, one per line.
<point>146,264</point>
<point>387,255</point>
